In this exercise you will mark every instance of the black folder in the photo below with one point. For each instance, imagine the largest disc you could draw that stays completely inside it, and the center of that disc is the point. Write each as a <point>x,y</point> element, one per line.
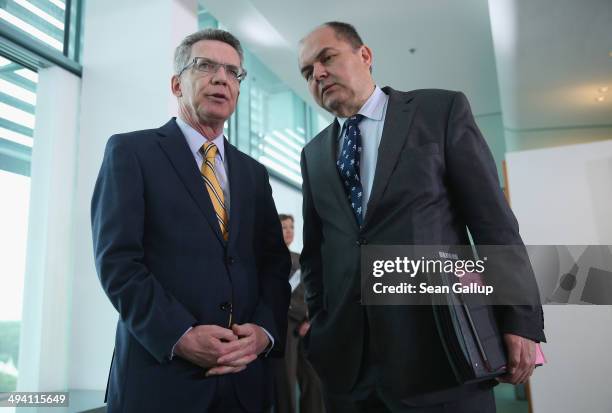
<point>470,336</point>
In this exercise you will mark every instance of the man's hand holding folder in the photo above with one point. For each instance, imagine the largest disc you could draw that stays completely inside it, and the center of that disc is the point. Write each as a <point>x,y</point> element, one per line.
<point>521,359</point>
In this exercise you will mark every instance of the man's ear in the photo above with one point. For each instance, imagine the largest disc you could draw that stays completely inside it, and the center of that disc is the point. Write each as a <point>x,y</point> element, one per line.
<point>175,86</point>
<point>366,55</point>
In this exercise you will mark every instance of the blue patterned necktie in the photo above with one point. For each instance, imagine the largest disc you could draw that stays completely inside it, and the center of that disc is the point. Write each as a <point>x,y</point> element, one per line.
<point>348,166</point>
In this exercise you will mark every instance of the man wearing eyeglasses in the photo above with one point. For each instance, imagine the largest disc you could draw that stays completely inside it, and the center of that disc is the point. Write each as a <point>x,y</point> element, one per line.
<point>190,252</point>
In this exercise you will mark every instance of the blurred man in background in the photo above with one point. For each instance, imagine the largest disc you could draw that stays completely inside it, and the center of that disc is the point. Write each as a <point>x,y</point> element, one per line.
<point>295,370</point>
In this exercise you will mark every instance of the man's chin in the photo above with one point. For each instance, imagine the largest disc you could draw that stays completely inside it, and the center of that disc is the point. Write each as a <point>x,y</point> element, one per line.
<point>332,105</point>
<point>214,116</point>
<point>336,108</point>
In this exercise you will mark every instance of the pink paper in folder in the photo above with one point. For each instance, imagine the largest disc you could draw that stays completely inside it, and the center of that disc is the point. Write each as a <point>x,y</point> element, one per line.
<point>475,278</point>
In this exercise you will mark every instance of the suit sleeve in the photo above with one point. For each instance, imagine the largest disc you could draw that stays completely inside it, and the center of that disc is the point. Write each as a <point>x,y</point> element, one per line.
<point>310,259</point>
<point>473,180</point>
<point>298,312</point>
<point>274,265</point>
<point>153,316</point>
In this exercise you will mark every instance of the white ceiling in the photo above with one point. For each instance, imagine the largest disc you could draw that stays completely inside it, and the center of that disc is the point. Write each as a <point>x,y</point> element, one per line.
<point>552,57</point>
<point>541,61</point>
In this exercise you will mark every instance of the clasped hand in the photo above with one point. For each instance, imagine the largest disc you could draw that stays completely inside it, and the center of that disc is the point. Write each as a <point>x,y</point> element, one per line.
<point>221,350</point>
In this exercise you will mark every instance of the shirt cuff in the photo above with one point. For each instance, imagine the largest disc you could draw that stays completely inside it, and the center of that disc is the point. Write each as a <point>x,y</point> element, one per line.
<point>172,351</point>
<point>271,345</point>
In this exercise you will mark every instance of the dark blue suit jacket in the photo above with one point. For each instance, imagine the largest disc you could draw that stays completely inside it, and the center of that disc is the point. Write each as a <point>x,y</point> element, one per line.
<point>164,265</point>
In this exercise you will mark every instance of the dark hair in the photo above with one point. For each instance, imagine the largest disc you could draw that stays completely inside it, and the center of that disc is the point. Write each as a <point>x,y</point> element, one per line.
<point>284,217</point>
<point>183,50</point>
<point>346,32</point>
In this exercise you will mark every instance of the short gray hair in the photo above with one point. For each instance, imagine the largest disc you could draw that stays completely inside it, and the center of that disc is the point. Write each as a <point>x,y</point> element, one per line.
<point>183,50</point>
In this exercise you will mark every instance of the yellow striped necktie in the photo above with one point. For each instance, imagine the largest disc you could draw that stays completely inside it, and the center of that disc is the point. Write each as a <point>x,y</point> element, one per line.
<point>209,151</point>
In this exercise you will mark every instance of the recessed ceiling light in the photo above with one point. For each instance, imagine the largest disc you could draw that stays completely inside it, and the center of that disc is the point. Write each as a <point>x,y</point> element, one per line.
<point>600,98</point>
<point>603,89</point>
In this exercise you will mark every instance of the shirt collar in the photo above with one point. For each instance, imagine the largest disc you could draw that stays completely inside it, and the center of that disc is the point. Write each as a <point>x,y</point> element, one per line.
<point>195,140</point>
<point>373,108</point>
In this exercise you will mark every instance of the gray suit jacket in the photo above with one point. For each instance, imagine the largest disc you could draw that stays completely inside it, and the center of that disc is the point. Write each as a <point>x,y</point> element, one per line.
<point>434,177</point>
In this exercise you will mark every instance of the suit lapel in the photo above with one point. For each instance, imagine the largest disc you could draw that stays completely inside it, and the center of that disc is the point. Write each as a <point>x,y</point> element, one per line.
<point>398,120</point>
<point>237,176</point>
<point>328,155</point>
<point>175,146</point>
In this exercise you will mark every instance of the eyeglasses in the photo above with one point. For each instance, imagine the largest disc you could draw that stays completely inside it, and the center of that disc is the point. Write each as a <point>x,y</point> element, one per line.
<point>204,65</point>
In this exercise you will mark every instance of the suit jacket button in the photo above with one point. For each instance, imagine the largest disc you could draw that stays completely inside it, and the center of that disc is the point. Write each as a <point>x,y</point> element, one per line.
<point>230,260</point>
<point>226,306</point>
<point>362,241</point>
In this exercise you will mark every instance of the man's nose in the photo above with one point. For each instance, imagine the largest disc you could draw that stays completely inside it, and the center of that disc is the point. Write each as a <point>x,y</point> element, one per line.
<point>220,76</point>
<point>318,71</point>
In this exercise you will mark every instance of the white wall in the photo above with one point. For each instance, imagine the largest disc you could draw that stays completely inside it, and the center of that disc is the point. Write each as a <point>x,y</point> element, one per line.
<point>563,196</point>
<point>528,139</point>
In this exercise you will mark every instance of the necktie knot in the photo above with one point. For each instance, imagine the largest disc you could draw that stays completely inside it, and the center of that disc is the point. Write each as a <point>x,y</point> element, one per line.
<point>209,151</point>
<point>354,120</point>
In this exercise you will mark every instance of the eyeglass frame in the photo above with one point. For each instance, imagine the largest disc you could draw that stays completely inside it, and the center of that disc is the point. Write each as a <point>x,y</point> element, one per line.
<point>217,66</point>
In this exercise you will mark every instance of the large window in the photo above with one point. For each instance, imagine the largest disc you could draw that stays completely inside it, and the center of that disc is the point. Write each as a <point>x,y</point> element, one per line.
<point>33,34</point>
<point>277,121</point>
<point>40,33</point>
<point>271,123</point>
<point>14,224</point>
<point>43,20</point>
<point>17,105</point>
<point>54,23</point>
